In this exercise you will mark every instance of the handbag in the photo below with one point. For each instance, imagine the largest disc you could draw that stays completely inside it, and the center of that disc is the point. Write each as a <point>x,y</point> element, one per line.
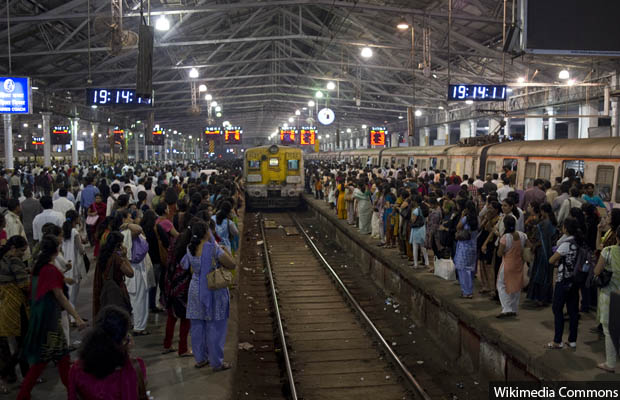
<point>92,220</point>
<point>419,221</point>
<point>602,280</point>
<point>111,293</point>
<point>219,278</point>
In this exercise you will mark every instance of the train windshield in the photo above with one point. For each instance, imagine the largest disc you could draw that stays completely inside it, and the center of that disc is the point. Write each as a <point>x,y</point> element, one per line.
<point>254,164</point>
<point>274,162</point>
<point>293,164</point>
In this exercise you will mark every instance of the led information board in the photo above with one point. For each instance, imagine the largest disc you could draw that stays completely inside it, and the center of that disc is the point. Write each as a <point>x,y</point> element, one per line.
<point>15,95</point>
<point>288,135</point>
<point>307,135</point>
<point>159,137</point>
<point>61,135</point>
<point>213,131</point>
<point>377,136</point>
<point>232,135</point>
<point>115,97</point>
<point>477,92</point>
<point>119,136</point>
<point>37,141</point>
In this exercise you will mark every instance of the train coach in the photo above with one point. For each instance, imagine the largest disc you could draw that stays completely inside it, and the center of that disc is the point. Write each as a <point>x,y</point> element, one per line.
<point>274,176</point>
<point>597,160</point>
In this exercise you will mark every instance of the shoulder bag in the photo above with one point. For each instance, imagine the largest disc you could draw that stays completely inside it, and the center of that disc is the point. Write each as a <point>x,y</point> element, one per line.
<point>602,280</point>
<point>219,278</point>
<point>111,293</point>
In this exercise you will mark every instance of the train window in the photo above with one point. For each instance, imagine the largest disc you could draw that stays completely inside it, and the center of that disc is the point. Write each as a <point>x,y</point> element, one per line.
<point>293,164</point>
<point>274,162</point>
<point>544,171</point>
<point>254,164</point>
<point>604,182</point>
<point>530,174</point>
<point>491,167</point>
<point>511,163</point>
<point>441,167</point>
<point>576,165</point>
<point>411,161</point>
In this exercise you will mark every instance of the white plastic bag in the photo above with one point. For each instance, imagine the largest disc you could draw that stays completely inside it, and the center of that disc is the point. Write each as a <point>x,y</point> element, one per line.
<point>445,269</point>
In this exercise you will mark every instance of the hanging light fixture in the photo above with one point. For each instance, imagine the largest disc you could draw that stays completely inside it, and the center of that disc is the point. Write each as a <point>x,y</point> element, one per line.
<point>564,74</point>
<point>331,85</point>
<point>162,24</point>
<point>202,88</point>
<point>402,25</point>
<point>208,97</point>
<point>193,73</point>
<point>366,52</point>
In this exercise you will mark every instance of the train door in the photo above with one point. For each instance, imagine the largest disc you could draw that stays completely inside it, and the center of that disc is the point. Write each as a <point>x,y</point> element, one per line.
<point>510,166</point>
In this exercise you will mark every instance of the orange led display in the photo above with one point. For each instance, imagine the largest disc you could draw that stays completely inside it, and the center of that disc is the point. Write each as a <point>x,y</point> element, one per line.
<point>232,135</point>
<point>377,136</point>
<point>288,135</point>
<point>307,136</point>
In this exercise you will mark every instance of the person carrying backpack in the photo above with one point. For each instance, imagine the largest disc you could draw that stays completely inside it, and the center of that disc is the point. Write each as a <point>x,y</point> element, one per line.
<point>568,282</point>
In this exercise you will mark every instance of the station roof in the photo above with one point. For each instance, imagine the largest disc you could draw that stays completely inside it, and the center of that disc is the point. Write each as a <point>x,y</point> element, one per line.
<point>263,60</point>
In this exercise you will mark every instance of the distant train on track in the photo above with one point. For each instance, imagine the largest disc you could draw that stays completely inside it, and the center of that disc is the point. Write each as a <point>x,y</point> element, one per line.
<point>274,176</point>
<point>596,160</point>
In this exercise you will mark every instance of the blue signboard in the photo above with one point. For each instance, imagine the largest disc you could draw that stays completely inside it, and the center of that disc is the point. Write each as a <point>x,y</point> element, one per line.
<point>15,95</point>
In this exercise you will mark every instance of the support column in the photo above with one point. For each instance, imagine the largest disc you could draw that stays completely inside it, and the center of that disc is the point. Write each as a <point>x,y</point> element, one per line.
<point>585,123</point>
<point>75,125</point>
<point>424,137</point>
<point>47,140</point>
<point>507,127</point>
<point>615,119</point>
<point>136,141</point>
<point>8,141</point>
<point>465,130</point>
<point>534,128</point>
<point>93,129</point>
<point>573,130</point>
<point>552,121</point>
<point>394,141</point>
<point>473,128</point>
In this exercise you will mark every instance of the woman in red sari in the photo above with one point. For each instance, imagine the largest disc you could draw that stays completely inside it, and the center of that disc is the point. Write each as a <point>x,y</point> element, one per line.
<point>98,210</point>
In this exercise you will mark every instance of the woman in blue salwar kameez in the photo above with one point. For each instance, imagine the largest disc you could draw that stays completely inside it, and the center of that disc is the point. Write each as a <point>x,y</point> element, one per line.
<point>208,310</point>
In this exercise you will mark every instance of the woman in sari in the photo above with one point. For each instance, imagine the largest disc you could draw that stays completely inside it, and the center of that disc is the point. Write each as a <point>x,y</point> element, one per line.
<point>96,210</point>
<point>350,200</point>
<point>540,289</point>
<point>466,254</point>
<point>341,204</point>
<point>14,285</point>
<point>46,340</point>
<point>364,208</point>
<point>510,278</point>
<point>207,309</point>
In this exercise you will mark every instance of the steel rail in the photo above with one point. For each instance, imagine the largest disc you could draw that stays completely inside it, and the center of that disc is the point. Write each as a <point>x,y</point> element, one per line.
<point>274,296</point>
<point>404,370</point>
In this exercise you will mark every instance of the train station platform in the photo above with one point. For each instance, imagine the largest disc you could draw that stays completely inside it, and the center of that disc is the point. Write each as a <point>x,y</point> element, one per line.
<point>468,330</point>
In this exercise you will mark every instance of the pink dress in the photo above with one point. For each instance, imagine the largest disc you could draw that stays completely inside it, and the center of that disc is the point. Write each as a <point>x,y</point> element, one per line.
<point>122,384</point>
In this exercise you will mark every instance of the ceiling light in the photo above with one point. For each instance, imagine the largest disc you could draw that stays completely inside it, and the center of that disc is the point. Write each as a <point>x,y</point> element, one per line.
<point>331,85</point>
<point>214,104</point>
<point>291,119</point>
<point>469,102</point>
<point>400,117</point>
<point>521,79</point>
<point>297,112</point>
<point>190,136</point>
<point>193,73</point>
<point>509,90</point>
<point>99,135</point>
<point>402,25</point>
<point>435,76</point>
<point>311,103</point>
<point>19,136</point>
<point>226,123</point>
<point>218,114</point>
<point>440,107</point>
<point>162,24</point>
<point>564,74</point>
<point>318,94</point>
<point>202,88</point>
<point>364,126</point>
<point>94,106</point>
<point>39,126</point>
<point>320,137</point>
<point>285,125</point>
<point>208,97</point>
<point>25,125</point>
<point>570,82</point>
<point>35,88</point>
<point>366,52</point>
<point>83,133</point>
<point>348,130</point>
<point>418,113</point>
<point>218,109</point>
<point>327,136</point>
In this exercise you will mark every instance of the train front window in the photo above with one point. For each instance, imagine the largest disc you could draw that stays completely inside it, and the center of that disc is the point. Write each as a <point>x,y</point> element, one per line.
<point>293,164</point>
<point>578,167</point>
<point>274,162</point>
<point>604,182</point>
<point>254,164</point>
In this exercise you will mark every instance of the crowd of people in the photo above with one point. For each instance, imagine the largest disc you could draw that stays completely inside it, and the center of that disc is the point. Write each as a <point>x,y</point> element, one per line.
<point>154,234</point>
<point>558,243</point>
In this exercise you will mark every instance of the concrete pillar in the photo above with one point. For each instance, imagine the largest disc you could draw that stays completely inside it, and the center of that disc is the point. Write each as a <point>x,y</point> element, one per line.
<point>93,132</point>
<point>552,121</point>
<point>136,143</point>
<point>75,126</point>
<point>473,128</point>
<point>493,127</point>
<point>508,121</point>
<point>47,140</point>
<point>365,141</point>
<point>573,130</point>
<point>586,123</point>
<point>465,129</point>
<point>534,128</point>
<point>395,138</point>
<point>8,141</point>
<point>615,119</point>
<point>425,134</point>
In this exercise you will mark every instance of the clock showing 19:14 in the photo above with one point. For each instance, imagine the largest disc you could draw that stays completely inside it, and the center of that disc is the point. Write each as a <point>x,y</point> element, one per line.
<point>477,92</point>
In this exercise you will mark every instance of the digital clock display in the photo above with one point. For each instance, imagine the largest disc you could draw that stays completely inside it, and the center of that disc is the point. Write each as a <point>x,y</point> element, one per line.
<point>477,92</point>
<point>115,97</point>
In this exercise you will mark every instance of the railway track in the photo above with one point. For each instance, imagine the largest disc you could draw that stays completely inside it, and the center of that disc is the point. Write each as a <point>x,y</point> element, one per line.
<point>328,347</point>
